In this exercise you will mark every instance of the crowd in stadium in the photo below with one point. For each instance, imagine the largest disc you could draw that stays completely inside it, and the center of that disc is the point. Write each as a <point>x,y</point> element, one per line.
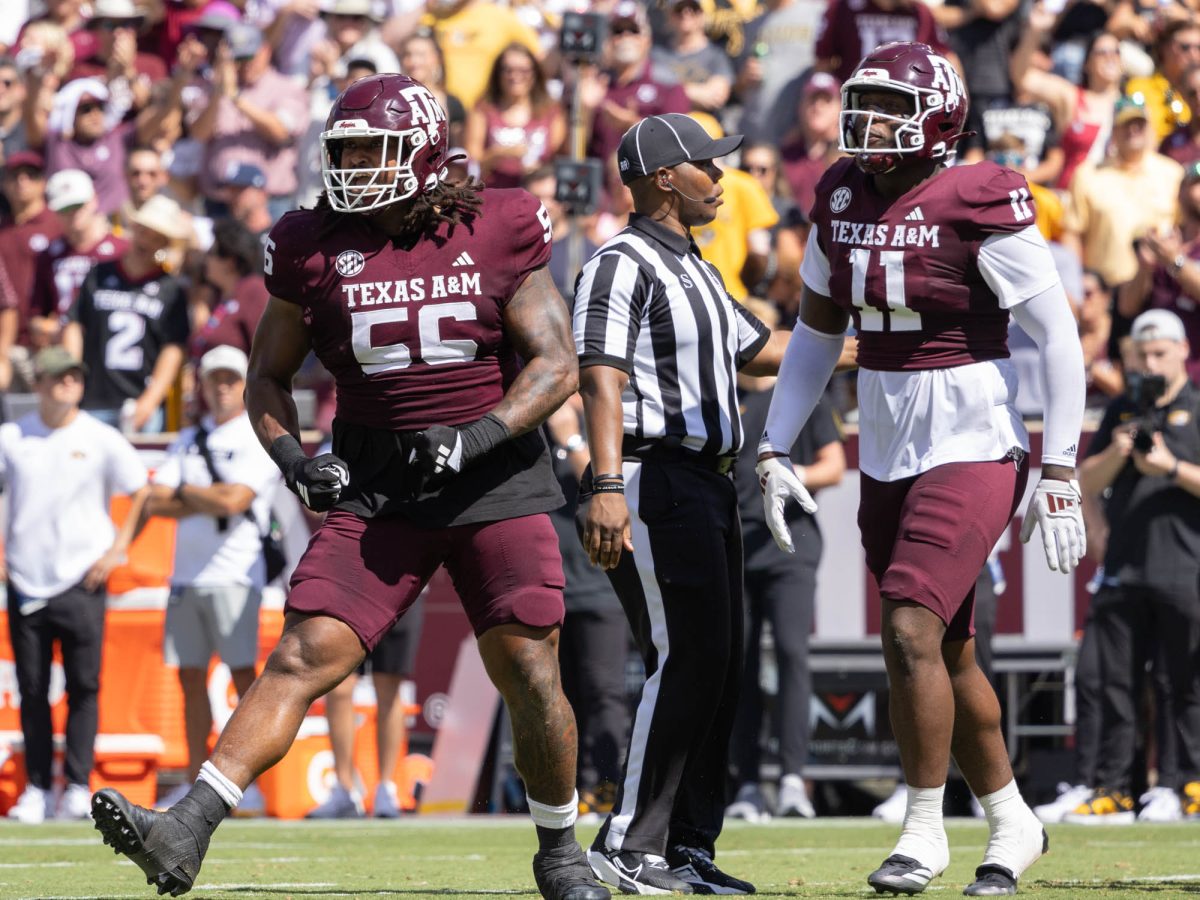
<point>156,142</point>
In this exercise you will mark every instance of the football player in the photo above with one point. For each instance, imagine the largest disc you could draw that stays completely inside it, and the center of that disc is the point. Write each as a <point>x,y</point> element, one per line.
<point>432,306</point>
<point>929,261</point>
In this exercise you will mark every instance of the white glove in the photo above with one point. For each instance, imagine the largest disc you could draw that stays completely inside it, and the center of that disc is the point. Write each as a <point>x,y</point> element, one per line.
<point>1057,507</point>
<point>779,482</point>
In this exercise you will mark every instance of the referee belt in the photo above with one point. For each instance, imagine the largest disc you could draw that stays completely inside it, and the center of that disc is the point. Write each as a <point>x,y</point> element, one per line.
<point>671,451</point>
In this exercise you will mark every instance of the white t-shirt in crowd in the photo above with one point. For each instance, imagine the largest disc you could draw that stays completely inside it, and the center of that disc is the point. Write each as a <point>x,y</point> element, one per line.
<point>204,555</point>
<point>59,483</point>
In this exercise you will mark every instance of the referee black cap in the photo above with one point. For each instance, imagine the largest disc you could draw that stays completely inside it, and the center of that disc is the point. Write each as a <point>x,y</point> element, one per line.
<point>668,140</point>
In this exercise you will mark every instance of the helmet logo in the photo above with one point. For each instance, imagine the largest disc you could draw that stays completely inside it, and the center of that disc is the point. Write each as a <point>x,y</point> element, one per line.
<point>840,199</point>
<point>946,80</point>
<point>350,123</point>
<point>349,263</point>
<point>425,110</point>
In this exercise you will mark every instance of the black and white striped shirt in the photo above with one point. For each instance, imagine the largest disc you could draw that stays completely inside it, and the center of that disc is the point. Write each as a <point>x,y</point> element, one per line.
<point>648,304</point>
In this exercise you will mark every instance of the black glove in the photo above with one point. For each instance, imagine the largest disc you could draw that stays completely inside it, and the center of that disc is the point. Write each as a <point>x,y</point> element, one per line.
<point>318,482</point>
<point>440,452</point>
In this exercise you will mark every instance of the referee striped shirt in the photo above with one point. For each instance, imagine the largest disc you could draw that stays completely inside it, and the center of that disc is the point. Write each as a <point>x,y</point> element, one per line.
<point>648,304</point>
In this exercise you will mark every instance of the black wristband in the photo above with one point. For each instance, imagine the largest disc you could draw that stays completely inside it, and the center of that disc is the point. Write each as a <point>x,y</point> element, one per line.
<point>608,487</point>
<point>287,453</point>
<point>611,476</point>
<point>482,436</point>
<point>1174,473</point>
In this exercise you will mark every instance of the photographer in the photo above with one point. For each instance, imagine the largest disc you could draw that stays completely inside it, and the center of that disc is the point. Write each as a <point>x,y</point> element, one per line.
<point>1144,459</point>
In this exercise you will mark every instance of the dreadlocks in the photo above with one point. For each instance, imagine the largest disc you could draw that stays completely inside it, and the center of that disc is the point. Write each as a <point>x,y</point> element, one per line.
<point>456,203</point>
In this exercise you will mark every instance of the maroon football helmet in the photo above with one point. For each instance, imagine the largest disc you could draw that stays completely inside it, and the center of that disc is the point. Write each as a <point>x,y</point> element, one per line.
<point>414,135</point>
<point>939,111</point>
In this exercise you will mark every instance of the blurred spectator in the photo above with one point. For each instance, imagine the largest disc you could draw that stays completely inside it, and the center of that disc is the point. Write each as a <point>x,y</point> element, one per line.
<point>1176,49</point>
<point>1031,123</point>
<point>1183,144</point>
<point>82,134</point>
<point>173,20</point>
<point>780,281</point>
<point>1009,149</point>
<point>1146,454</point>
<point>738,241</point>
<point>130,323</point>
<point>145,176</point>
<point>1083,113</point>
<point>811,145</point>
<point>1095,334</point>
<point>628,90</point>
<point>244,192</point>
<point>516,126</point>
<point>217,482</point>
<point>781,589</point>
<point>116,60</point>
<point>233,268</point>
<point>12,109</point>
<point>983,34</point>
<point>701,68</point>
<point>248,112</point>
<point>61,467</point>
<point>541,183</point>
<point>351,33</point>
<point>472,35</point>
<point>67,19</point>
<point>292,31</point>
<point>1134,192</point>
<point>421,58</point>
<point>389,664</point>
<point>33,226</point>
<point>1168,275</point>
<point>853,28</point>
<point>593,647</point>
<point>779,49</point>
<point>60,269</point>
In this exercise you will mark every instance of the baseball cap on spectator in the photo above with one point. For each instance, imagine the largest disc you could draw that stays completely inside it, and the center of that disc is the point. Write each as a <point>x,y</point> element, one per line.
<point>223,359</point>
<point>1157,325</point>
<point>54,361</point>
<point>694,4</point>
<point>630,11</point>
<point>115,11</point>
<point>668,140</point>
<point>1129,108</point>
<point>67,188</point>
<point>186,157</point>
<point>365,8</point>
<point>243,40</point>
<point>25,159</point>
<point>822,83</point>
<point>216,16</point>
<point>163,215</point>
<point>243,174</point>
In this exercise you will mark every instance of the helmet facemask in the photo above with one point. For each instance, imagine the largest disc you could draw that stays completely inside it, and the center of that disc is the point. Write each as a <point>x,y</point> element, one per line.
<point>908,134</point>
<point>371,187</point>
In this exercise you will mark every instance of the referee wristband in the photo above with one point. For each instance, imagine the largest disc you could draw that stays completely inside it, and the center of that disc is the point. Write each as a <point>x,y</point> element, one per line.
<point>608,487</point>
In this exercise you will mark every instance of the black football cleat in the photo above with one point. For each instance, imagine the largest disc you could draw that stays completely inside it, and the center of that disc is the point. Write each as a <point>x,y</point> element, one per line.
<point>696,867</point>
<point>901,875</point>
<point>164,848</point>
<point>992,881</point>
<point>563,873</point>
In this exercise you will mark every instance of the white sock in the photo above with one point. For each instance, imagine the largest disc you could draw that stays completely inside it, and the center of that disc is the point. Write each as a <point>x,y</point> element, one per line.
<point>923,837</point>
<point>228,791</point>
<point>556,817</point>
<point>1015,841</point>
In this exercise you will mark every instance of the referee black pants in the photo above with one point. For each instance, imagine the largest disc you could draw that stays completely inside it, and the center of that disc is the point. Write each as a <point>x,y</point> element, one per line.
<point>74,618</point>
<point>681,589</point>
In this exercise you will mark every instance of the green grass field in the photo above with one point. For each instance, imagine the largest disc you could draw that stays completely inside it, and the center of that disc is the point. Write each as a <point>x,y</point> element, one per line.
<point>491,855</point>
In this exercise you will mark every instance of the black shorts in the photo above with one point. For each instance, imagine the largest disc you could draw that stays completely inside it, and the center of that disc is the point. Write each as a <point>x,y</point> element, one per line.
<point>396,652</point>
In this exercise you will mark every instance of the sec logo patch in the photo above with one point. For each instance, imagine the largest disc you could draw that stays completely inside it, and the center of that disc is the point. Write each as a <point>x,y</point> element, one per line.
<point>840,199</point>
<point>349,263</point>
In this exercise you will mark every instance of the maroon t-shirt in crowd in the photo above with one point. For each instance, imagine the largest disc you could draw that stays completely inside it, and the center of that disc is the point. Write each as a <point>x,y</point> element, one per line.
<point>415,336</point>
<point>104,161</point>
<point>233,320</point>
<point>60,271</point>
<point>1165,293</point>
<point>853,28</point>
<point>647,96</point>
<point>19,249</point>
<point>801,173</point>
<point>94,67</point>
<point>906,269</point>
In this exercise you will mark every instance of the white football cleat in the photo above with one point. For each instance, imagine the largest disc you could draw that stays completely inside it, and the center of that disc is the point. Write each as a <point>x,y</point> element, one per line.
<point>75,803</point>
<point>1069,797</point>
<point>893,809</point>
<point>31,806</point>
<point>793,798</point>
<point>1160,804</point>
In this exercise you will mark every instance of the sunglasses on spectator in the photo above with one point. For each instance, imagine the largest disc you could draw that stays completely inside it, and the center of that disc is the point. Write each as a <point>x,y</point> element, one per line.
<point>88,106</point>
<point>618,30</point>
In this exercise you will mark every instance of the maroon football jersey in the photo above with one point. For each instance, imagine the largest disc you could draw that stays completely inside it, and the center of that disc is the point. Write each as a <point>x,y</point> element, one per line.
<point>413,336</point>
<point>907,269</point>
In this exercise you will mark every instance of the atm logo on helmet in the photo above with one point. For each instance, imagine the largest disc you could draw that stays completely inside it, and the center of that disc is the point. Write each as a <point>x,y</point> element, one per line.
<point>946,80</point>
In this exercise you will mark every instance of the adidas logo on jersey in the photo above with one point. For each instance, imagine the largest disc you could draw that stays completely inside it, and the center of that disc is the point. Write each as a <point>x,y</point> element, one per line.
<point>464,259</point>
<point>915,216</point>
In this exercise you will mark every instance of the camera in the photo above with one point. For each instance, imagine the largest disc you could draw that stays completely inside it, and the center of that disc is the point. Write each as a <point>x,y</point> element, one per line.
<point>1144,392</point>
<point>582,36</point>
<point>578,184</point>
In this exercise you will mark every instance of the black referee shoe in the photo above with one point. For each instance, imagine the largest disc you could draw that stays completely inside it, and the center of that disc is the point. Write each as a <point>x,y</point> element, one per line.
<point>167,851</point>
<point>634,872</point>
<point>696,867</point>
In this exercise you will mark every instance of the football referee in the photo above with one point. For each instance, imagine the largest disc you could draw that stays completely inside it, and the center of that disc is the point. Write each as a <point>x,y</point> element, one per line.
<point>660,342</point>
